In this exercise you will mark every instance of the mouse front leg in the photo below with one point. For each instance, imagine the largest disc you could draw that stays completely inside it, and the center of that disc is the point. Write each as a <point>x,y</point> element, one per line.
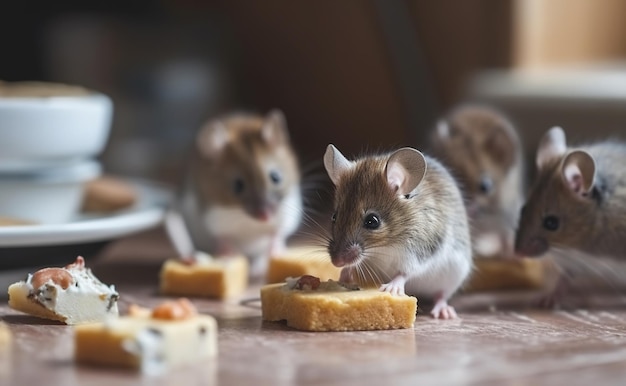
<point>223,247</point>
<point>258,266</point>
<point>278,244</point>
<point>396,285</point>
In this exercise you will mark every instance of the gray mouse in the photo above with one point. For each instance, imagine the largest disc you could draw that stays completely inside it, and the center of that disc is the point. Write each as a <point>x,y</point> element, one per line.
<point>242,193</point>
<point>577,201</point>
<point>399,220</point>
<point>483,151</point>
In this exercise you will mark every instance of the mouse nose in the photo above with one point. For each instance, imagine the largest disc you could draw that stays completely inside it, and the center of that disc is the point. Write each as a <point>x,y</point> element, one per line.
<point>472,208</point>
<point>345,256</point>
<point>262,211</point>
<point>532,247</point>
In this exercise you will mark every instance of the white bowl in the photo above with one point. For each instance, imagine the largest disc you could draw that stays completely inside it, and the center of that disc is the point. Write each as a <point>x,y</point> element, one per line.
<point>46,124</point>
<point>50,196</point>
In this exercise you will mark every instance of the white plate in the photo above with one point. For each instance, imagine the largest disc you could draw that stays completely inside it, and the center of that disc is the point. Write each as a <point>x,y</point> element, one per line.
<point>148,212</point>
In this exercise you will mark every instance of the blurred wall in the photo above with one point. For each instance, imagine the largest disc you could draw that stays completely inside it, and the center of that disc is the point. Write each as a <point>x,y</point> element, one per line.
<point>325,64</point>
<point>565,32</point>
<point>567,69</point>
<point>328,65</point>
<point>337,68</point>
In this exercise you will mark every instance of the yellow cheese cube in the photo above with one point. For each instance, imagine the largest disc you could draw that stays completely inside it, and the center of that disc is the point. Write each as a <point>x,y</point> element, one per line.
<point>507,274</point>
<point>213,278</point>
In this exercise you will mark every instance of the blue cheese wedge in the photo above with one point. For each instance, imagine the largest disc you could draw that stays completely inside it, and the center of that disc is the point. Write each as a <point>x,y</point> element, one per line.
<point>72,295</point>
<point>152,342</point>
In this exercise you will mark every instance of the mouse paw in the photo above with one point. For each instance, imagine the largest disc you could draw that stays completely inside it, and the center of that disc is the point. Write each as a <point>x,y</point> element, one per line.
<point>549,301</point>
<point>224,248</point>
<point>442,310</point>
<point>258,267</point>
<point>552,299</point>
<point>395,286</point>
<point>278,246</point>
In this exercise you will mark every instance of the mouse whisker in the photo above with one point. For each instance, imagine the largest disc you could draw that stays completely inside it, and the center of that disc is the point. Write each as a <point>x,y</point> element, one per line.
<point>366,274</point>
<point>320,230</point>
<point>310,220</point>
<point>361,272</point>
<point>314,234</point>
<point>373,267</point>
<point>611,274</point>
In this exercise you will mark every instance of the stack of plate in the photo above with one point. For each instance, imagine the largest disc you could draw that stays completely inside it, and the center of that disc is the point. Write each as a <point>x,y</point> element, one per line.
<point>50,136</point>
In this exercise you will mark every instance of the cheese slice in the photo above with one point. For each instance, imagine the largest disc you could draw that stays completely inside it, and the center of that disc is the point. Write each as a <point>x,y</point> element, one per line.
<point>331,306</point>
<point>146,343</point>
<point>71,295</point>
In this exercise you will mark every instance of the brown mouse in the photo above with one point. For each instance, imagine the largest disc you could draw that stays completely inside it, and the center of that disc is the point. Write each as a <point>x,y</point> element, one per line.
<point>577,201</point>
<point>399,220</point>
<point>242,194</point>
<point>483,151</point>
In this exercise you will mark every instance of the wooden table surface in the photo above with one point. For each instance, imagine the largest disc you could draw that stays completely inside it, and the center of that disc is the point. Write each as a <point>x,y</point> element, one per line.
<point>498,340</point>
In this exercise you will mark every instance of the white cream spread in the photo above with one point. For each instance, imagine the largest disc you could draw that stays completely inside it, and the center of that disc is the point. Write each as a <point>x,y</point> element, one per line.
<point>86,299</point>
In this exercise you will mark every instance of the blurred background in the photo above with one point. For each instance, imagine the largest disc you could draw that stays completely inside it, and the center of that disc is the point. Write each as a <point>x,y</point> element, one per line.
<point>362,74</point>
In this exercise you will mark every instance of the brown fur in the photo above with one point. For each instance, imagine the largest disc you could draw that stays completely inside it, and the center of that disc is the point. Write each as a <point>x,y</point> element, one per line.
<point>242,190</point>
<point>245,156</point>
<point>596,223</point>
<point>418,222</point>
<point>482,142</point>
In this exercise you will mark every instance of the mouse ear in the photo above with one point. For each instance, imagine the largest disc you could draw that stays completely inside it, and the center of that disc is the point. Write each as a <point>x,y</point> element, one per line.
<point>501,147</point>
<point>274,130</point>
<point>336,164</point>
<point>212,138</point>
<point>578,171</point>
<point>405,169</point>
<point>551,146</point>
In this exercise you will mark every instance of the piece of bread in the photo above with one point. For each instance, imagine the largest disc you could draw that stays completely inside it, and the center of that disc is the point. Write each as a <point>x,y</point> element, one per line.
<point>107,194</point>
<point>299,261</point>
<point>310,305</point>
<point>171,335</point>
<point>204,276</point>
<point>71,295</point>
<point>507,274</point>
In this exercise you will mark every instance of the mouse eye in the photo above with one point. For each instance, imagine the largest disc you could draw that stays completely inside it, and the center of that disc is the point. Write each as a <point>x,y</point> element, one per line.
<point>238,186</point>
<point>486,185</point>
<point>334,218</point>
<point>551,223</point>
<point>275,177</point>
<point>371,221</point>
